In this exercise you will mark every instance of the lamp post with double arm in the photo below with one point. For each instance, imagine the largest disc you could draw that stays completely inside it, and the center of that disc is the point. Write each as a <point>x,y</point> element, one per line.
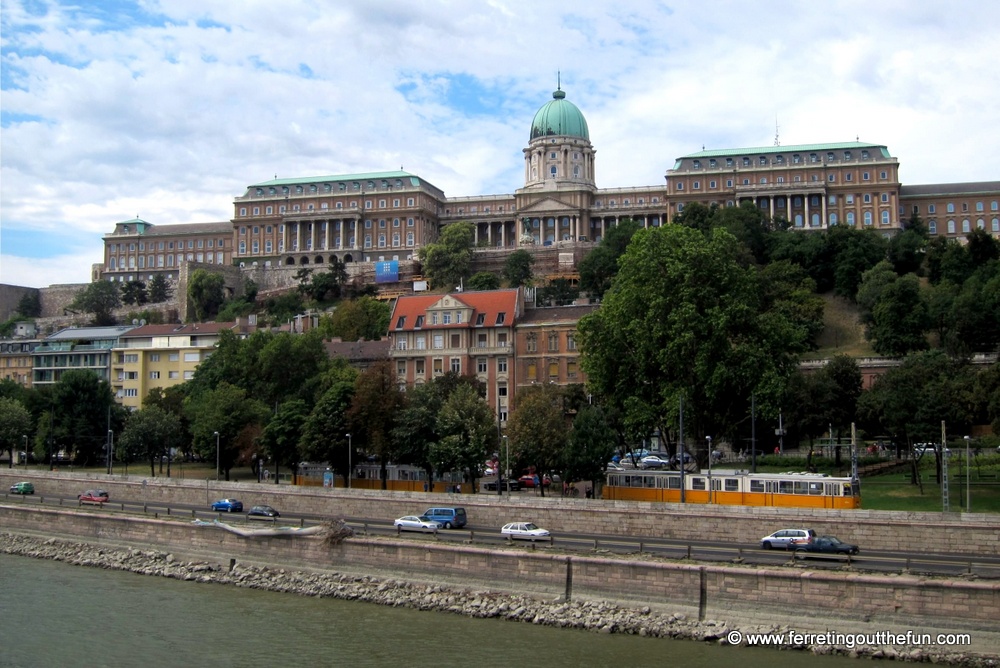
<point>350,464</point>
<point>217,458</point>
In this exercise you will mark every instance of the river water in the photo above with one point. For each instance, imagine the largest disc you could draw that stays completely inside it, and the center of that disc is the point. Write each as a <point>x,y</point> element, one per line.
<point>53,614</point>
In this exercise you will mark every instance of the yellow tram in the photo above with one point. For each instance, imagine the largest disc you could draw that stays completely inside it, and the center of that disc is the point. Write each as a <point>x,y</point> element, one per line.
<point>735,488</point>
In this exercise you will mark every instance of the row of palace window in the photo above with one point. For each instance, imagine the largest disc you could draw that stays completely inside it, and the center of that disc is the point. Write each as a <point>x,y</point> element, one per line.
<point>950,207</point>
<point>831,178</point>
<point>325,206</point>
<point>166,245</point>
<point>269,246</point>
<point>966,226</point>
<point>320,227</point>
<point>122,263</point>
<point>797,159</point>
<point>552,342</point>
<point>327,187</point>
<point>454,365</point>
<point>437,341</point>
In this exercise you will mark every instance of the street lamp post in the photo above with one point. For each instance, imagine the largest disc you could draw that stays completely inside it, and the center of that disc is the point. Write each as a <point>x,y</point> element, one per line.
<point>506,442</point>
<point>350,464</point>
<point>25,437</point>
<point>709,439</point>
<point>968,490</point>
<point>111,445</point>
<point>217,459</point>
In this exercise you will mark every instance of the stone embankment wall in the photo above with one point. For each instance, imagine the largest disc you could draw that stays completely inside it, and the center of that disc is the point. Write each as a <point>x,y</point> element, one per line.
<point>715,589</point>
<point>958,533</point>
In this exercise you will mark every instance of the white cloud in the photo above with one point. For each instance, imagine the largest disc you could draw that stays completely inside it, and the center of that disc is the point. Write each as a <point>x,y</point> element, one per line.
<point>171,118</point>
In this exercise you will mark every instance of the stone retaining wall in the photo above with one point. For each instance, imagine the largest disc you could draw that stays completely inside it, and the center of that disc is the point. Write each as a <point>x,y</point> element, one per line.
<point>717,589</point>
<point>957,533</point>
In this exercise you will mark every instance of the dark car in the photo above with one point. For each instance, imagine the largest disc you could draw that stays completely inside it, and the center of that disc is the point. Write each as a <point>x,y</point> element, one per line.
<point>827,545</point>
<point>263,511</point>
<point>228,505</point>
<point>512,485</point>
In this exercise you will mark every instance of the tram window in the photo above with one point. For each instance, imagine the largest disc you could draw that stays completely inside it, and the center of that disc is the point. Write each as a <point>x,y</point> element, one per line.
<point>697,483</point>
<point>650,480</point>
<point>716,485</point>
<point>815,488</point>
<point>831,489</point>
<point>756,485</point>
<point>674,482</point>
<point>635,481</point>
<point>732,485</point>
<point>785,486</point>
<point>801,487</point>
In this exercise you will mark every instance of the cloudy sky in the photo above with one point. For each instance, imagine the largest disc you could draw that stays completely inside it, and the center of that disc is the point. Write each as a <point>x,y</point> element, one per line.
<point>168,109</point>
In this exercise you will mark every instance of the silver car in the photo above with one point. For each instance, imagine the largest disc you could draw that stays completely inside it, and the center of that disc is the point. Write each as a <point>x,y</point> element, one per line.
<point>416,523</point>
<point>788,539</point>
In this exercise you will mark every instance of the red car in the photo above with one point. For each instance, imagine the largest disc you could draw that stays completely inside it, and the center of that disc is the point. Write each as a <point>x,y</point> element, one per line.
<point>529,481</point>
<point>93,496</point>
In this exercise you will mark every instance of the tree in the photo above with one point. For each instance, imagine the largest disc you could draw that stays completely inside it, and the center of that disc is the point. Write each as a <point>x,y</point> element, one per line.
<point>364,318</point>
<point>517,269</point>
<point>280,438</point>
<point>100,298</point>
<point>906,250</point>
<point>205,293</point>
<point>686,319</point>
<point>282,308</point>
<point>150,433</point>
<point>134,292</point>
<point>484,280</point>
<point>559,292</point>
<point>899,319</point>
<point>15,424</point>
<point>856,251</point>
<point>592,443</point>
<point>446,263</point>
<point>231,412</point>
<point>467,432</point>
<point>537,428</point>
<point>974,315</point>
<point>600,265</point>
<point>159,289</point>
<point>81,401</point>
<point>792,293</point>
<point>324,431</point>
<point>377,400</point>
<point>30,304</point>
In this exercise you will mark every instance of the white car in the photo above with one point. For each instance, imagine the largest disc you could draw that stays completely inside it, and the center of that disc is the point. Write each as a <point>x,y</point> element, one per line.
<point>416,523</point>
<point>524,531</point>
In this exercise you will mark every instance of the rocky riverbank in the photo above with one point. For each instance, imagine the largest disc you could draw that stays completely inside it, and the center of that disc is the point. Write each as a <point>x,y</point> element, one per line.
<point>599,617</point>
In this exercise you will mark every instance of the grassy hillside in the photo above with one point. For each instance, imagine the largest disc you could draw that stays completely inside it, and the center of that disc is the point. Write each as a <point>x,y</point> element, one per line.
<point>842,334</point>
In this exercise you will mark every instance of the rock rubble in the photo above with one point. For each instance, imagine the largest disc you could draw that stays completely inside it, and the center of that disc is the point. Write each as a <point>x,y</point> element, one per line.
<point>598,617</point>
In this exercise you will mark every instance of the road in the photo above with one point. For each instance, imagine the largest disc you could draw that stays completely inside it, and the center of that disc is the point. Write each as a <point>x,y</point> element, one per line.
<point>912,561</point>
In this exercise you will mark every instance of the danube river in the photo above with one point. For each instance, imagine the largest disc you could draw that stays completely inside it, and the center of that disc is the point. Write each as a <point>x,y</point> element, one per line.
<point>54,615</point>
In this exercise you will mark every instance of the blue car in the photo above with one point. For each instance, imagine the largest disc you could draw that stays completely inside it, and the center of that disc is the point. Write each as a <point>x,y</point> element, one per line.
<point>228,506</point>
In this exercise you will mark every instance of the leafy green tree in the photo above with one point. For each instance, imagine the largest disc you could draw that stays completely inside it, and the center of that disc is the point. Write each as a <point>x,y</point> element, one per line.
<point>377,400</point>
<point>15,424</point>
<point>447,262</point>
<point>364,318</point>
<point>150,433</point>
<point>792,294</point>
<point>100,298</point>
<point>856,251</point>
<point>986,393</point>
<point>517,269</point>
<point>134,292</point>
<point>324,432</point>
<point>289,366</point>
<point>30,304</point>
<point>206,294</point>
<point>974,317</point>
<point>982,247</point>
<point>537,428</point>
<point>899,319</point>
<point>159,289</point>
<point>906,251</point>
<point>467,431</point>
<point>559,292</point>
<point>231,412</point>
<point>281,436</point>
<point>702,330</point>
<point>323,285</point>
<point>484,280</point>
<point>592,443</point>
<point>282,308</point>
<point>600,266</point>
<point>812,252</point>
<point>171,399</point>
<point>81,403</point>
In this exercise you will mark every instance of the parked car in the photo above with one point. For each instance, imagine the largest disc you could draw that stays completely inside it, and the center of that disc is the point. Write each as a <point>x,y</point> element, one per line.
<point>228,506</point>
<point>449,518</point>
<point>524,531</point>
<point>788,538</point>
<point>22,488</point>
<point>530,481</point>
<point>416,523</point>
<point>93,496</point>
<point>614,466</point>
<point>828,545</point>
<point>512,485</point>
<point>263,511</point>
<point>653,462</point>
<point>675,459</point>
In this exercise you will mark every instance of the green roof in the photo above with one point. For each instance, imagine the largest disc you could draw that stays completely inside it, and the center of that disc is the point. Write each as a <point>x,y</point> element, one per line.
<point>801,148</point>
<point>559,117</point>
<point>369,176</point>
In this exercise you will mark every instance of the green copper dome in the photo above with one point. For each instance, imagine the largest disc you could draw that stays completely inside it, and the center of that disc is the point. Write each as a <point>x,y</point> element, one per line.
<point>559,116</point>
